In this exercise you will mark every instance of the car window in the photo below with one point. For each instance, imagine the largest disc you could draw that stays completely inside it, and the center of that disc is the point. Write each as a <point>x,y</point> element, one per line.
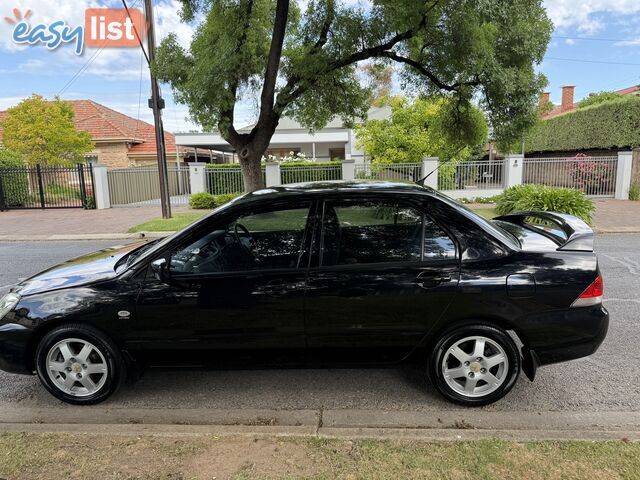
<point>370,232</point>
<point>252,241</point>
<point>437,244</point>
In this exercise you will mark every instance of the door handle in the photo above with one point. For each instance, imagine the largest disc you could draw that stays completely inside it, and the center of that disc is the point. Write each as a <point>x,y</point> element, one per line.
<point>432,279</point>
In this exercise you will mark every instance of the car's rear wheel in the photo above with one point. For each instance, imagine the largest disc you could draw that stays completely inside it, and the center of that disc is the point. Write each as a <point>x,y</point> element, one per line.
<point>79,365</point>
<point>474,364</point>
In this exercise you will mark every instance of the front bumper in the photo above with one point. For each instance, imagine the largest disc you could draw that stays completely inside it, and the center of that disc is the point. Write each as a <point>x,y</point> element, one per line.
<point>15,341</point>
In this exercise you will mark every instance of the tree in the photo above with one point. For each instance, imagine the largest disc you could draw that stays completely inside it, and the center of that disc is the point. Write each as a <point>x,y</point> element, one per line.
<point>379,82</point>
<point>43,132</point>
<point>422,129</point>
<point>597,98</point>
<point>303,64</point>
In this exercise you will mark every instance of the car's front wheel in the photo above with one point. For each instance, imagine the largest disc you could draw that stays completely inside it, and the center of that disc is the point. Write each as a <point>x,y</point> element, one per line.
<point>474,364</point>
<point>79,365</point>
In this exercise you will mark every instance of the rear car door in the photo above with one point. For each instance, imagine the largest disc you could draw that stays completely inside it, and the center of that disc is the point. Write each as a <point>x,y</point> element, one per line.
<point>383,272</point>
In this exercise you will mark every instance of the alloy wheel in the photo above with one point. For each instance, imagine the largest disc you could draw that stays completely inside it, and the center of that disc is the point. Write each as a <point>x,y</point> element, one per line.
<point>475,366</point>
<point>77,367</point>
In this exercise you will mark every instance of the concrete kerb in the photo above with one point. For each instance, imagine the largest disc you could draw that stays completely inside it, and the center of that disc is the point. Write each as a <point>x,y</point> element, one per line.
<point>452,425</point>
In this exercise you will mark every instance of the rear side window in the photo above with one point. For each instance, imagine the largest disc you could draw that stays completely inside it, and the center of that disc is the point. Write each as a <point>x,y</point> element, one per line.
<point>380,232</point>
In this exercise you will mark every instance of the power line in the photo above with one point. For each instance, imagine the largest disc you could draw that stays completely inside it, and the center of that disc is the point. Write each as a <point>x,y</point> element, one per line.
<point>582,60</point>
<point>88,63</point>
<point>594,39</point>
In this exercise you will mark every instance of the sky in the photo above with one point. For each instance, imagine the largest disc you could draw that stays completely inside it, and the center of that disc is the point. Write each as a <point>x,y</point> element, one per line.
<point>595,46</point>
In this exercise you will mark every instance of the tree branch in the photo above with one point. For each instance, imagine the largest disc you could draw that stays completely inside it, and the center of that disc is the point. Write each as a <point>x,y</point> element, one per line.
<point>273,63</point>
<point>427,73</point>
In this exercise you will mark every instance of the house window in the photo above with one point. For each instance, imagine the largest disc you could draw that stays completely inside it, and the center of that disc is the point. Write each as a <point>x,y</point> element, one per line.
<point>280,153</point>
<point>336,153</point>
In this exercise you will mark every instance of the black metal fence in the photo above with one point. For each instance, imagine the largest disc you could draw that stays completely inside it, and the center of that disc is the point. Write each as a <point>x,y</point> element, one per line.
<point>46,187</point>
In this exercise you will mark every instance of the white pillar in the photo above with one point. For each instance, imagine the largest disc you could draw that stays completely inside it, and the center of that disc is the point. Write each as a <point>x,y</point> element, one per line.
<point>513,168</point>
<point>198,177</point>
<point>101,186</point>
<point>429,167</point>
<point>313,151</point>
<point>623,175</point>
<point>348,168</point>
<point>273,174</point>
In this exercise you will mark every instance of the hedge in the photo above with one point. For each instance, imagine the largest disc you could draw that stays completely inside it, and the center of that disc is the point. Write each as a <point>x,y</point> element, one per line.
<point>609,125</point>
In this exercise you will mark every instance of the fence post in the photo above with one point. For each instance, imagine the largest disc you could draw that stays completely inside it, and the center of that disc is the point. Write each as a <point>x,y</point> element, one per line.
<point>101,187</point>
<point>198,177</point>
<point>273,177</point>
<point>623,175</point>
<point>430,167</point>
<point>514,166</point>
<point>348,169</point>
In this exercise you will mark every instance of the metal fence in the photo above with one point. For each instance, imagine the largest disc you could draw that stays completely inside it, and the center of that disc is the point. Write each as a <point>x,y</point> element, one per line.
<point>478,175</point>
<point>46,187</point>
<point>595,176</point>
<point>402,172</point>
<point>221,180</point>
<point>140,186</point>
<point>310,173</point>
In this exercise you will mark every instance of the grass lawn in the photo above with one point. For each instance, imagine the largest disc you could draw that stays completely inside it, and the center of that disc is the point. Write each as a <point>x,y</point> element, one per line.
<point>486,212</point>
<point>76,456</point>
<point>177,222</point>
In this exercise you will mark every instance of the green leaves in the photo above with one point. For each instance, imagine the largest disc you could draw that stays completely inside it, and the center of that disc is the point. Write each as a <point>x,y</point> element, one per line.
<point>539,197</point>
<point>425,128</point>
<point>43,132</point>
<point>613,124</point>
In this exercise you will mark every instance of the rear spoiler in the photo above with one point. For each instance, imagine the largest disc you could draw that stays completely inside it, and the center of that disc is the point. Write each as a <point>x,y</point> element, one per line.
<point>571,233</point>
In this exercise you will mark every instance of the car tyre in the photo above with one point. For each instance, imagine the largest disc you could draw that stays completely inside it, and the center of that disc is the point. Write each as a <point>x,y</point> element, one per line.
<point>79,365</point>
<point>474,365</point>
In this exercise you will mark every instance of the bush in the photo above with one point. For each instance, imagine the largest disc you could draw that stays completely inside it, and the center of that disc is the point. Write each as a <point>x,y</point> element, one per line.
<point>15,183</point>
<point>225,198</point>
<point>609,125</point>
<point>634,192</point>
<point>540,197</point>
<point>202,201</point>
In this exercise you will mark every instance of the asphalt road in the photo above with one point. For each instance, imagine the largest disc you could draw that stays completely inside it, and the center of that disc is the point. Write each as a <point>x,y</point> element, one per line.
<point>609,381</point>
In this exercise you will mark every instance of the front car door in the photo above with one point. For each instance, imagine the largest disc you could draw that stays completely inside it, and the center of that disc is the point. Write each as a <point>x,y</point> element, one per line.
<point>383,273</point>
<point>237,284</point>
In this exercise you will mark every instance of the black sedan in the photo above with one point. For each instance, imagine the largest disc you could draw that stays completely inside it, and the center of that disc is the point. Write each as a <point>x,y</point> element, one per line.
<point>328,274</point>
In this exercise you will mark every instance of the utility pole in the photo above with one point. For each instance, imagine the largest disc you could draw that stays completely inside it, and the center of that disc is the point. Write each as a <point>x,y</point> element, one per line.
<point>156,103</point>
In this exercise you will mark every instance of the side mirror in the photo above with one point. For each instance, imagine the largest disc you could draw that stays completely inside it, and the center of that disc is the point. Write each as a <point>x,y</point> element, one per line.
<point>160,269</point>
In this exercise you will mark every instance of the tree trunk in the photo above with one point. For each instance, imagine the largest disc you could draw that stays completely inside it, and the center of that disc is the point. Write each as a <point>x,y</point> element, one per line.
<point>250,163</point>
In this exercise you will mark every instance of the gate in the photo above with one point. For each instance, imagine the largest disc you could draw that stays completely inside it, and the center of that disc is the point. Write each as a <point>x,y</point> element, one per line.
<point>140,186</point>
<point>46,187</point>
<point>595,176</point>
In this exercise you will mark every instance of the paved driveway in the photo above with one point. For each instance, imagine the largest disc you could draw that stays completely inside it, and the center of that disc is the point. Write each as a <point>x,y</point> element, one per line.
<point>605,382</point>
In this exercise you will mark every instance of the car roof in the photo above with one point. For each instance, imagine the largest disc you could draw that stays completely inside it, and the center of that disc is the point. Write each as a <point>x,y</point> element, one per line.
<point>332,187</point>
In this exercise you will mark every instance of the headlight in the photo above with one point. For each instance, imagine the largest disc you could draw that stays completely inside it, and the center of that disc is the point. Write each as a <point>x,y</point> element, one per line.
<point>7,303</point>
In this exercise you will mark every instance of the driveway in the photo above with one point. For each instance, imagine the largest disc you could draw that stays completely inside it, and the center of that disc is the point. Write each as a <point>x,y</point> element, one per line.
<point>605,382</point>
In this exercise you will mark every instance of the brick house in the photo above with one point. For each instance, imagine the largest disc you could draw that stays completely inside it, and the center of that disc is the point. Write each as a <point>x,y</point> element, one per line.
<point>567,103</point>
<point>121,141</point>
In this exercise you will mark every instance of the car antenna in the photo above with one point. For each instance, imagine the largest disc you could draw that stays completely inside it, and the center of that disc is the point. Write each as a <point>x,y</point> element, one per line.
<point>423,179</point>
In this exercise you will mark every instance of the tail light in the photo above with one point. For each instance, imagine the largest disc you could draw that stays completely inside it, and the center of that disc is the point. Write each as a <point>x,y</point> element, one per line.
<point>592,295</point>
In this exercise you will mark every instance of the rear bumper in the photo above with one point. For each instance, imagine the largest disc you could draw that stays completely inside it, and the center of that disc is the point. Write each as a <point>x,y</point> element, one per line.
<point>586,329</point>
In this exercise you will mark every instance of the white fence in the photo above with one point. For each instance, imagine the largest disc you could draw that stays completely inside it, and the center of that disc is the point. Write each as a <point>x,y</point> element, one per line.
<point>595,176</point>
<point>403,172</point>
<point>472,175</point>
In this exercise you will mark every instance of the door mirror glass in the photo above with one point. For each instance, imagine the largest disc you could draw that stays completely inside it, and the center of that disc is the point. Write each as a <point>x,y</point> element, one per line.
<point>160,270</point>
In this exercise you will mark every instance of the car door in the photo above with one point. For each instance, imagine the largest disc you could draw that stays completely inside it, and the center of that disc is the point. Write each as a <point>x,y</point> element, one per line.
<point>236,285</point>
<point>383,274</point>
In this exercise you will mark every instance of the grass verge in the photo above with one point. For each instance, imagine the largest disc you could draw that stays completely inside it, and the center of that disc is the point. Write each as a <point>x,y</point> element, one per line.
<point>487,213</point>
<point>75,456</point>
<point>177,222</point>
